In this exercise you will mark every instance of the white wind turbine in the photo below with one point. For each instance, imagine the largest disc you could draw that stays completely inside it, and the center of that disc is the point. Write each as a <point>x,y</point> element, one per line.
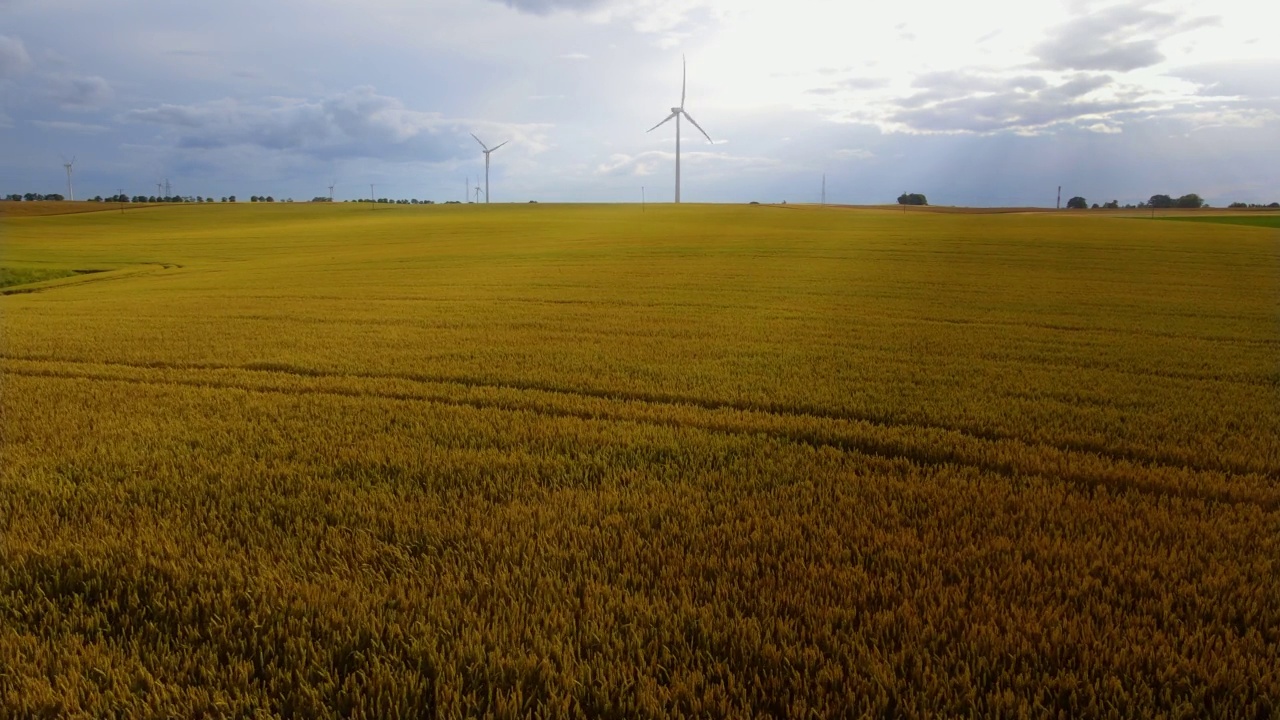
<point>487,150</point>
<point>71,195</point>
<point>676,112</point>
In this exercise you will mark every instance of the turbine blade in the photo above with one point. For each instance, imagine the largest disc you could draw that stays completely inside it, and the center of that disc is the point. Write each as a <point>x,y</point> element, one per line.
<point>504,142</point>
<point>695,124</point>
<point>486,147</point>
<point>684,76</point>
<point>664,122</point>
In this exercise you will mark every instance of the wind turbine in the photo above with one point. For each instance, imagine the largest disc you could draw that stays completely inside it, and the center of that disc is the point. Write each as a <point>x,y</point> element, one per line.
<point>331,184</point>
<point>676,112</point>
<point>487,150</point>
<point>486,195</point>
<point>71,195</point>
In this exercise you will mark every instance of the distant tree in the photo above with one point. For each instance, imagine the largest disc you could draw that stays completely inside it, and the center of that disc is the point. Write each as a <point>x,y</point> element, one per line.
<point>1160,202</point>
<point>97,198</point>
<point>1190,200</point>
<point>231,198</point>
<point>912,199</point>
<point>270,199</point>
<point>1274,205</point>
<point>1094,206</point>
<point>15,197</point>
<point>1237,205</point>
<point>253,198</point>
<point>1113,205</point>
<point>1077,203</point>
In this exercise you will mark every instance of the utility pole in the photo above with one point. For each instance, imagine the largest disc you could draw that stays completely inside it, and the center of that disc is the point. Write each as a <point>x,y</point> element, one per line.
<point>1059,207</point>
<point>120,197</point>
<point>824,188</point>
<point>373,205</point>
<point>168,190</point>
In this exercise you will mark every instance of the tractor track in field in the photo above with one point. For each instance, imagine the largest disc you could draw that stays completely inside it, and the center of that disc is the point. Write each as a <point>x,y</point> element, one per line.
<point>1079,464</point>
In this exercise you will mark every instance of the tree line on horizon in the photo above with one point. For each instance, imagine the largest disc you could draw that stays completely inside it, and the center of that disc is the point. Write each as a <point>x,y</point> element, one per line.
<point>155,199</point>
<point>1162,202</point>
<point>1158,202</point>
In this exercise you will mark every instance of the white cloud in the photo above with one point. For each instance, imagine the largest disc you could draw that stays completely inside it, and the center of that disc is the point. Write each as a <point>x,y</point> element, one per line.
<point>647,163</point>
<point>68,126</point>
<point>14,59</point>
<point>1103,128</point>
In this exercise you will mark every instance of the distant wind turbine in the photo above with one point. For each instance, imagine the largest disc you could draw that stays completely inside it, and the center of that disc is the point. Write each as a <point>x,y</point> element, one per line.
<point>487,150</point>
<point>486,195</point>
<point>331,184</point>
<point>71,195</point>
<point>676,112</point>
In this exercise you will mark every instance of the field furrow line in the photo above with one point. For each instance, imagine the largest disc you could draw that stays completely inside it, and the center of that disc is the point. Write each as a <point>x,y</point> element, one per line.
<point>919,445</point>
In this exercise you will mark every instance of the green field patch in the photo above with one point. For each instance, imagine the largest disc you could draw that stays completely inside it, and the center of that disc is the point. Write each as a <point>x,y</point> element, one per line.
<point>1267,221</point>
<point>10,276</point>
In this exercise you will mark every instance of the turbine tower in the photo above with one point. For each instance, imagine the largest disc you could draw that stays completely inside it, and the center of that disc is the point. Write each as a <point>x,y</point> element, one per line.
<point>487,150</point>
<point>676,112</point>
<point>71,195</point>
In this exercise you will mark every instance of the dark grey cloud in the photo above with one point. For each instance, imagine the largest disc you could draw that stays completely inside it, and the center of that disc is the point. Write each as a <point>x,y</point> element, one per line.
<point>80,92</point>
<point>358,123</point>
<point>958,101</point>
<point>940,86</point>
<point>995,113</point>
<point>14,59</point>
<point>1120,38</point>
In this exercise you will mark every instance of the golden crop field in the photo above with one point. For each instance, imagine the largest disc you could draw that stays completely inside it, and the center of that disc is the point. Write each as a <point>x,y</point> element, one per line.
<point>588,461</point>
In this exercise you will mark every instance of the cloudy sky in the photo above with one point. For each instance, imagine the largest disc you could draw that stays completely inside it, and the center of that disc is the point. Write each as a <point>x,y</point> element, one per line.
<point>989,103</point>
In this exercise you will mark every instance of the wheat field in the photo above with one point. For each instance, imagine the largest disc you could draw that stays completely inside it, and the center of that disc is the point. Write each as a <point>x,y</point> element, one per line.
<point>593,461</point>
